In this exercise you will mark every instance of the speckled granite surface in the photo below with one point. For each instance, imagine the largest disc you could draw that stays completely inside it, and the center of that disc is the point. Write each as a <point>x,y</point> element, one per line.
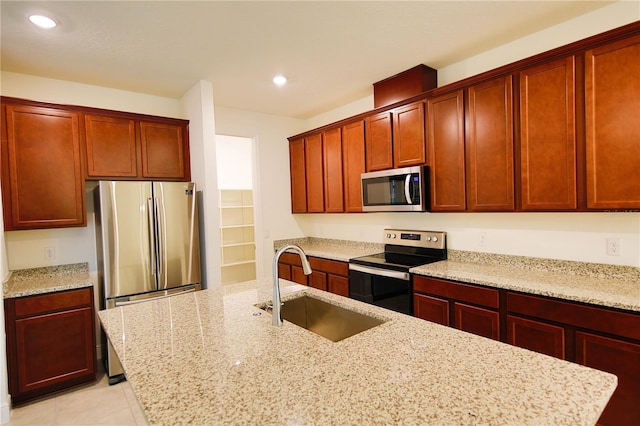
<point>341,250</point>
<point>211,357</point>
<point>598,284</point>
<point>27,282</point>
<point>576,283</point>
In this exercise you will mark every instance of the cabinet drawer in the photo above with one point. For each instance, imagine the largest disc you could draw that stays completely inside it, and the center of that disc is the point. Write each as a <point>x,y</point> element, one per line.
<point>461,292</point>
<point>588,317</point>
<point>290,259</point>
<point>33,305</point>
<point>330,266</point>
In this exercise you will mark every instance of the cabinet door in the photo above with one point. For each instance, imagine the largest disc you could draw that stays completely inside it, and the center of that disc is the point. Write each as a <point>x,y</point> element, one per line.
<point>111,147</point>
<point>445,115</point>
<point>472,319</point>
<point>315,174</point>
<point>548,136</point>
<point>490,146</point>
<point>332,160</point>
<point>318,280</point>
<point>431,309</point>
<point>43,181</point>
<point>379,142</point>
<point>54,348</point>
<point>536,336</point>
<point>613,125</point>
<point>297,275</point>
<point>284,271</point>
<point>164,151</point>
<point>298,176</point>
<point>622,359</point>
<point>353,165</point>
<point>338,285</point>
<point>409,147</point>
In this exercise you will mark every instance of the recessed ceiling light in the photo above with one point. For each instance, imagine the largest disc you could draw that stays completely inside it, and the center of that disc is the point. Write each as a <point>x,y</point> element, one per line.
<point>280,80</point>
<point>42,21</point>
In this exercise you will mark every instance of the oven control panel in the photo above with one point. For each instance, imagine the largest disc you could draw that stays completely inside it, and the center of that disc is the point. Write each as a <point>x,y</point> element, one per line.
<point>427,239</point>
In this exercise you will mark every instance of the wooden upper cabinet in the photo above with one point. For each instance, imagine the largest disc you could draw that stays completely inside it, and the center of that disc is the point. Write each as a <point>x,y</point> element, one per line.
<point>353,164</point>
<point>298,176</point>
<point>314,173</point>
<point>408,135</point>
<point>332,162</point>
<point>613,125</point>
<point>548,136</point>
<point>43,180</point>
<point>163,150</point>
<point>121,147</point>
<point>445,118</point>
<point>379,141</point>
<point>489,139</point>
<point>111,147</point>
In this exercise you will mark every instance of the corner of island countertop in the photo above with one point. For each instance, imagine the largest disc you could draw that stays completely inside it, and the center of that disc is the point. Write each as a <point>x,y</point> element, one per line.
<point>46,279</point>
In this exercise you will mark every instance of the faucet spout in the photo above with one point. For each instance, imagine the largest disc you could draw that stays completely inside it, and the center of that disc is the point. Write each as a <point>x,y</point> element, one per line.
<point>276,312</point>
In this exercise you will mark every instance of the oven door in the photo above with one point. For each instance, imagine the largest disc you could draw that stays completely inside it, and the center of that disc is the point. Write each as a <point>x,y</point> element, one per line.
<point>381,287</point>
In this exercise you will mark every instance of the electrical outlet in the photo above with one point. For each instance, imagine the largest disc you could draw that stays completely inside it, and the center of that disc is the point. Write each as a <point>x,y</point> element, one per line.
<point>482,239</point>
<point>49,253</point>
<point>613,246</point>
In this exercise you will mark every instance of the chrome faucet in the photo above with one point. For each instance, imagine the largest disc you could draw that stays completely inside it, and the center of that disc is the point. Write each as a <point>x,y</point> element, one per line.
<point>277,305</point>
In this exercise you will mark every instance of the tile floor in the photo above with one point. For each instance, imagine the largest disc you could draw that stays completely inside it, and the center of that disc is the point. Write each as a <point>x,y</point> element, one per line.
<point>92,404</point>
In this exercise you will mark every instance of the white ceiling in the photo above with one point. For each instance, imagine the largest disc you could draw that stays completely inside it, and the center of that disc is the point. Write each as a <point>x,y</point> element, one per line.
<point>332,52</point>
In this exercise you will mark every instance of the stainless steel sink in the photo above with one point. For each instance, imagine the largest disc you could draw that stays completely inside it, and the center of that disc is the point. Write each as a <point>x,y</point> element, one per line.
<point>326,319</point>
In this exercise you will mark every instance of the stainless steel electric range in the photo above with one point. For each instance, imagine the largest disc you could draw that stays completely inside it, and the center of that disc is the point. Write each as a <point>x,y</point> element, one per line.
<point>383,279</point>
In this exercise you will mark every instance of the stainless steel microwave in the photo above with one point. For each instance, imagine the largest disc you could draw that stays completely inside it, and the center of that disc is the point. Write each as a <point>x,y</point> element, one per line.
<point>396,190</point>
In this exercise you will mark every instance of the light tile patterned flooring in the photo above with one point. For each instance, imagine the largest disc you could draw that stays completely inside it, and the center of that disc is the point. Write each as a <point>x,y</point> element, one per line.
<point>92,404</point>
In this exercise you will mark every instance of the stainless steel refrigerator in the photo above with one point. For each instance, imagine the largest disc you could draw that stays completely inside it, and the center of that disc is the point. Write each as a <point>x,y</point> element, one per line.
<point>147,245</point>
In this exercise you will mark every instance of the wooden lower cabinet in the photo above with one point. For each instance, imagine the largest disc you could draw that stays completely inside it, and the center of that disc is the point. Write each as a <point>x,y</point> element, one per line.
<point>338,285</point>
<point>536,336</point>
<point>327,275</point>
<point>318,280</point>
<point>50,342</point>
<point>601,338</point>
<point>431,308</point>
<point>598,337</point>
<point>466,307</point>
<point>335,272</point>
<point>480,321</point>
<point>622,359</point>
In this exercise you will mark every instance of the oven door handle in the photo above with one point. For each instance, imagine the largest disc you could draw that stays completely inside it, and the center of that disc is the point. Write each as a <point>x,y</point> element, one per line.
<point>404,276</point>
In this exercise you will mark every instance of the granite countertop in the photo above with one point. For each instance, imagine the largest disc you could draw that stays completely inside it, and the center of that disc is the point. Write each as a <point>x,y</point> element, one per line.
<point>341,250</point>
<point>212,357</point>
<point>28,282</point>
<point>596,289</point>
<point>597,284</point>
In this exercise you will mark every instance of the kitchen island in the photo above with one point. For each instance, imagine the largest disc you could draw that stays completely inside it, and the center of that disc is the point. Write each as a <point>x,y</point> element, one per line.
<point>213,357</point>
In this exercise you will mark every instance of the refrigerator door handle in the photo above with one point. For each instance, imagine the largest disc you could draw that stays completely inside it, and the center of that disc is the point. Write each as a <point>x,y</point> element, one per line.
<point>159,242</point>
<point>152,235</point>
